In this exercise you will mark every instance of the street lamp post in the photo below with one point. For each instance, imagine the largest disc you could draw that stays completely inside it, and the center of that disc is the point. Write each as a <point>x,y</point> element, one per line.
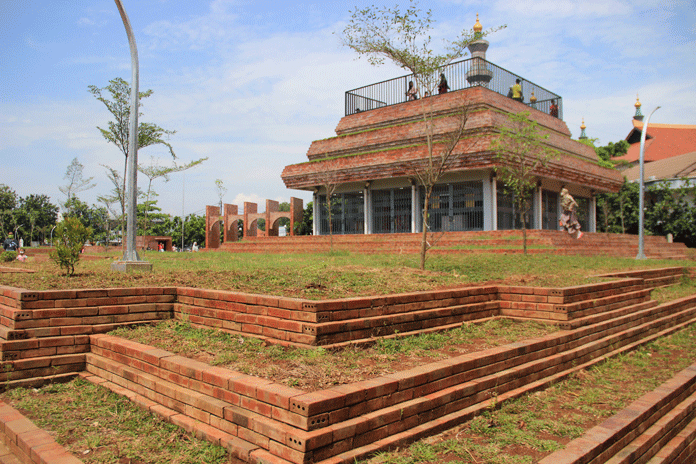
<point>641,193</point>
<point>131,260</point>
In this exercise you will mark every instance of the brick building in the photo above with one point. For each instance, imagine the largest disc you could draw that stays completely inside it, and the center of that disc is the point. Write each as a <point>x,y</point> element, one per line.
<point>381,141</point>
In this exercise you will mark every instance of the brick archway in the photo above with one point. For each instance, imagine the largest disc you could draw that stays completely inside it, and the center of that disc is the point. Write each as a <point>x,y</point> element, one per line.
<point>231,217</point>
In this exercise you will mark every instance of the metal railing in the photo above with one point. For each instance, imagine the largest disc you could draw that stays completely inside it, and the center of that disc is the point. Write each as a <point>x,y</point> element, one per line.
<point>460,75</point>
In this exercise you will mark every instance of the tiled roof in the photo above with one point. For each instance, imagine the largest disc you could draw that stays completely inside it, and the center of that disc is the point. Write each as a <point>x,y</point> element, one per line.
<point>662,141</point>
<point>676,167</point>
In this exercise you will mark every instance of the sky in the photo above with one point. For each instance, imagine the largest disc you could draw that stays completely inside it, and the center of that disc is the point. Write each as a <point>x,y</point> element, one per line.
<point>251,83</point>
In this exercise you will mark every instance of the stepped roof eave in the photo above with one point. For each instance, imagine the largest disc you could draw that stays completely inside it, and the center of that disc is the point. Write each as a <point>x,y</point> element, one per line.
<point>375,166</point>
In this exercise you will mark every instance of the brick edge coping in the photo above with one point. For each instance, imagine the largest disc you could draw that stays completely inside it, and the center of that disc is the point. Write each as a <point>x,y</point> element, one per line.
<point>29,443</point>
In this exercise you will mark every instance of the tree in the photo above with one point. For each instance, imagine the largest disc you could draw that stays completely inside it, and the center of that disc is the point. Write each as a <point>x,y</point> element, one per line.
<point>221,191</point>
<point>436,165</point>
<point>118,195</point>
<point>118,131</point>
<point>305,227</point>
<point>619,210</point>
<point>155,171</point>
<point>328,180</point>
<point>8,203</point>
<point>194,228</point>
<point>521,152</point>
<point>71,236</point>
<point>94,217</point>
<point>670,211</point>
<point>38,213</point>
<point>612,150</point>
<point>404,39</point>
<point>76,181</point>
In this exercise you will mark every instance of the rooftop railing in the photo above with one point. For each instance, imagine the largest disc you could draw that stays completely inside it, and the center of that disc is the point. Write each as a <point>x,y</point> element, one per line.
<point>460,75</point>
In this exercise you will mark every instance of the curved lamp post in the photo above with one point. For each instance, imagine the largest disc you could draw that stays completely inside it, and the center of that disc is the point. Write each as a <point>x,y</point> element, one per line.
<point>131,260</point>
<point>641,193</point>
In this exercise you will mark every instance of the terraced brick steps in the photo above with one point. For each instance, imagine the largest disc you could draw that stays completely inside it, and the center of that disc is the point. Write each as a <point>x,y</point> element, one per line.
<point>538,241</point>
<point>658,428</point>
<point>340,424</point>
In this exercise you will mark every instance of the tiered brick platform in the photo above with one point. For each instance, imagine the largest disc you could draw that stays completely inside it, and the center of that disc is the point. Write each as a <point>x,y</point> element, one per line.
<point>510,241</point>
<point>56,335</point>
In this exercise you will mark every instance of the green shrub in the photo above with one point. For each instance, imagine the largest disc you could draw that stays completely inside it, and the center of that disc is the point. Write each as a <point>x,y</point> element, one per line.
<point>71,236</point>
<point>8,256</point>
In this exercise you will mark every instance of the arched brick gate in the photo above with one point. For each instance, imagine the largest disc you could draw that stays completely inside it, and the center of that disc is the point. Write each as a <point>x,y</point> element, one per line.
<point>231,217</point>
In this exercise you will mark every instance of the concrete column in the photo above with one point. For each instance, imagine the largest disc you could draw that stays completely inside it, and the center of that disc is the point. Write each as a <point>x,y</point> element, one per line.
<point>367,210</point>
<point>592,219</point>
<point>414,208</point>
<point>491,222</point>
<point>539,203</point>
<point>315,214</point>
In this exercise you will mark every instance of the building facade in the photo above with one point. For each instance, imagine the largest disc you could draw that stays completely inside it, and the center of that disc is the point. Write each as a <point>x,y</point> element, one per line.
<point>367,171</point>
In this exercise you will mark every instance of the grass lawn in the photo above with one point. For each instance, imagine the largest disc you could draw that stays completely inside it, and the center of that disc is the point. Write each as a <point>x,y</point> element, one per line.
<point>326,275</point>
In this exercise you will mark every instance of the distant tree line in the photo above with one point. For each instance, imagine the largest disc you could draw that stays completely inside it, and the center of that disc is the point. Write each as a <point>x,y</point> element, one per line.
<point>669,209</point>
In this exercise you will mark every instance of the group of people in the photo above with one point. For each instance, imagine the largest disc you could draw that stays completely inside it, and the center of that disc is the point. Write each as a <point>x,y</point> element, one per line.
<point>412,91</point>
<point>515,93</point>
<point>160,247</point>
<point>10,244</point>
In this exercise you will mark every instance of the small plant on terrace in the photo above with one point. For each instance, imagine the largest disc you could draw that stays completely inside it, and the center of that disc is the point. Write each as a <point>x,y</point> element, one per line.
<point>71,236</point>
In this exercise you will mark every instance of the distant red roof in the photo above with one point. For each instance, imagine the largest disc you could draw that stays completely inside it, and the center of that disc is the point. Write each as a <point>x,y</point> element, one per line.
<point>662,141</point>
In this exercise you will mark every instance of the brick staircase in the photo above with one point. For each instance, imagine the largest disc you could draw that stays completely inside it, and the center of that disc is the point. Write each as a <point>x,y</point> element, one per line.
<point>259,421</point>
<point>538,241</point>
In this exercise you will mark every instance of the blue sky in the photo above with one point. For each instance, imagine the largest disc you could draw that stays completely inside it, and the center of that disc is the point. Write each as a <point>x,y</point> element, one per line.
<point>251,83</point>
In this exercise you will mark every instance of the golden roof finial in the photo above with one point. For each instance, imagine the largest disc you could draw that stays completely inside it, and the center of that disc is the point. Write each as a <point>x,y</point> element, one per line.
<point>583,127</point>
<point>638,103</point>
<point>477,27</point>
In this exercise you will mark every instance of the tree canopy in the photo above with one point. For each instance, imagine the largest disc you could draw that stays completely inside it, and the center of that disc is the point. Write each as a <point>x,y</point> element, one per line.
<point>404,38</point>
<point>116,98</point>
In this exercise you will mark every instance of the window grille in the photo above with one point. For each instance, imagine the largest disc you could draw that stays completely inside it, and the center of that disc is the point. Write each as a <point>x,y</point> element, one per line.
<point>549,201</point>
<point>455,207</point>
<point>391,211</point>
<point>508,216</point>
<point>347,214</point>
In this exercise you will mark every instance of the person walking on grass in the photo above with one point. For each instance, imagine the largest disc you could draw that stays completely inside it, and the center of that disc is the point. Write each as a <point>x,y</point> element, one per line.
<point>569,220</point>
